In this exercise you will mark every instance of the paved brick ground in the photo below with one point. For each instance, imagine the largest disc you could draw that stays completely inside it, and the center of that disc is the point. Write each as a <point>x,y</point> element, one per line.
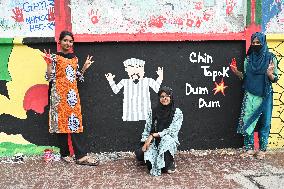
<point>196,169</point>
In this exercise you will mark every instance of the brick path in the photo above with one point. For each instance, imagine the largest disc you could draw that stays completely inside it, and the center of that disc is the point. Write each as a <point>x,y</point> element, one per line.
<point>196,169</point>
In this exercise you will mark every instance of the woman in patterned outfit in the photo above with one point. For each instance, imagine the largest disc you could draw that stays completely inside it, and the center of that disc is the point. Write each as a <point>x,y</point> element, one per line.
<point>160,137</point>
<point>260,71</point>
<point>65,109</point>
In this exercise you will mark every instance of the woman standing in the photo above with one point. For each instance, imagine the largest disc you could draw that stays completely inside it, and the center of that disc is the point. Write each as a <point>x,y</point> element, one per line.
<point>65,109</point>
<point>260,71</point>
<point>160,136</point>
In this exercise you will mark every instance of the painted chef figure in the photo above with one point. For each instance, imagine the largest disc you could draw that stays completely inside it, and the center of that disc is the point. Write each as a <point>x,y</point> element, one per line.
<point>136,101</point>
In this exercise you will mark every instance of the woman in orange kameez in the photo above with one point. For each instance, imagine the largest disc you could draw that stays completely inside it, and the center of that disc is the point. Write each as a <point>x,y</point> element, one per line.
<point>65,108</point>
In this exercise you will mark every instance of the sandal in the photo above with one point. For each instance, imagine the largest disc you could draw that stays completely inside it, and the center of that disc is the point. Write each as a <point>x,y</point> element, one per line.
<point>247,154</point>
<point>260,155</point>
<point>172,169</point>
<point>88,161</point>
<point>67,159</point>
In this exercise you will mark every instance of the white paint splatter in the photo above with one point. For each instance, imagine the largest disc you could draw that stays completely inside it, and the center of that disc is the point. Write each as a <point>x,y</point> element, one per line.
<point>155,16</point>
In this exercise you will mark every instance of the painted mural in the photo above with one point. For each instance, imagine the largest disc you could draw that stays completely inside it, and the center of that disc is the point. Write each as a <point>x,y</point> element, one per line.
<point>23,93</point>
<point>22,18</point>
<point>157,16</point>
<point>27,88</point>
<point>15,144</point>
<point>22,69</point>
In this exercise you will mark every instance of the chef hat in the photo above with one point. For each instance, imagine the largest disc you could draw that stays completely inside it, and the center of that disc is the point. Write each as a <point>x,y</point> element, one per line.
<point>134,62</point>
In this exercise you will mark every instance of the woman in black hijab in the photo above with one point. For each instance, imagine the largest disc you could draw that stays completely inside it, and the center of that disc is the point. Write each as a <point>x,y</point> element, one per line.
<point>160,136</point>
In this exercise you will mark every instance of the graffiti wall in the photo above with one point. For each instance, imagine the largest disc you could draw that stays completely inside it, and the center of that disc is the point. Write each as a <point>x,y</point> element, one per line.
<point>21,18</point>
<point>155,16</point>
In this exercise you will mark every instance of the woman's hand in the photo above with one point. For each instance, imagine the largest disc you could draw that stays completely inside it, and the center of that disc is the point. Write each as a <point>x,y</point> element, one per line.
<point>47,57</point>
<point>155,135</point>
<point>145,147</point>
<point>236,71</point>
<point>270,71</point>
<point>149,139</point>
<point>87,64</point>
<point>147,144</point>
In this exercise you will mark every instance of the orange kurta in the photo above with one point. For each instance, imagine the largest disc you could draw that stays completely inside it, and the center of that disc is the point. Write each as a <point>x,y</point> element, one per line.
<point>65,109</point>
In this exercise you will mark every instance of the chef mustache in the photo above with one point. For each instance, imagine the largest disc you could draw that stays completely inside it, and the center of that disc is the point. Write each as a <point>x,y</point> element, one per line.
<point>135,74</point>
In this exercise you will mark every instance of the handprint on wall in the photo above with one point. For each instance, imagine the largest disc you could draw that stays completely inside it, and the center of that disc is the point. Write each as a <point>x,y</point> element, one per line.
<point>51,15</point>
<point>94,16</point>
<point>19,17</point>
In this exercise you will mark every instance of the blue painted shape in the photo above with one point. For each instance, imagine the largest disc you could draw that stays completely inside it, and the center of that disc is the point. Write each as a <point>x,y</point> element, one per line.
<point>270,9</point>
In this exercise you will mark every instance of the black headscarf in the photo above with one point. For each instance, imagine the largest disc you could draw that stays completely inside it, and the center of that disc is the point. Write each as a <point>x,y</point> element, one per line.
<point>162,116</point>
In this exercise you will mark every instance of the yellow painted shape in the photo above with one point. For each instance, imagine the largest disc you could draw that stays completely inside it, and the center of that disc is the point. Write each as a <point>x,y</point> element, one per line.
<point>275,37</point>
<point>282,131</point>
<point>278,49</point>
<point>276,121</point>
<point>281,77</point>
<point>276,139</point>
<point>277,90</point>
<point>16,139</point>
<point>276,102</point>
<point>27,68</point>
<point>277,110</point>
<point>280,109</point>
<point>282,116</point>
<point>281,98</point>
